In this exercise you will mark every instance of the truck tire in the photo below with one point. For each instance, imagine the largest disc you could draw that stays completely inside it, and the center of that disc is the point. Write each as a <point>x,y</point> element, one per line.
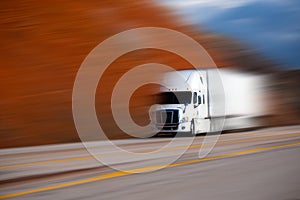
<point>193,131</point>
<point>215,126</point>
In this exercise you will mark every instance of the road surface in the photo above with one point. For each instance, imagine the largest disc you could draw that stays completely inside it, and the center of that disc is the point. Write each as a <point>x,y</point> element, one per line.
<point>261,164</point>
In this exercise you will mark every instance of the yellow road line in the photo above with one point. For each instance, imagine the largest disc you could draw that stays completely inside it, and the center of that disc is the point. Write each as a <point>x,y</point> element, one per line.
<point>145,169</point>
<point>149,150</point>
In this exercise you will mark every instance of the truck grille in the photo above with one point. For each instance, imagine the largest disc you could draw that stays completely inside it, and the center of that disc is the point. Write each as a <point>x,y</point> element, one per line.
<point>167,119</point>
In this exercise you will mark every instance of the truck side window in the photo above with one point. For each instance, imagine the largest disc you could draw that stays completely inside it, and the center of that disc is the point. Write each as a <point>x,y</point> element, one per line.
<point>203,100</point>
<point>199,99</point>
<point>195,98</point>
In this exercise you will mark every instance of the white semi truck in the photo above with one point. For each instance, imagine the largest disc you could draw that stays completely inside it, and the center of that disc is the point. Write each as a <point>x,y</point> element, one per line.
<point>208,100</point>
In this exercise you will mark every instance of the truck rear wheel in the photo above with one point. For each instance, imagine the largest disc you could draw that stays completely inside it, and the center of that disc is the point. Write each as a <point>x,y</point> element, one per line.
<point>216,126</point>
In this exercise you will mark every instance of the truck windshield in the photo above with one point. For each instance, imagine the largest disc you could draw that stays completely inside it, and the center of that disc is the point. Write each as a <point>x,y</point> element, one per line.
<point>175,98</point>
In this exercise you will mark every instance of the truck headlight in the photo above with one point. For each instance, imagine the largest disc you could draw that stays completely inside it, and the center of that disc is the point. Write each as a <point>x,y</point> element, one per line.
<point>184,119</point>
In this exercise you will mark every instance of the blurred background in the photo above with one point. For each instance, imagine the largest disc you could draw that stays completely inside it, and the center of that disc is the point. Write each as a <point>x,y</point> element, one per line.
<point>43,44</point>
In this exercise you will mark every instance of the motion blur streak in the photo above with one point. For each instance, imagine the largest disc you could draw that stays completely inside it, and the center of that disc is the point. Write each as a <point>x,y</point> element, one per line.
<point>150,168</point>
<point>149,150</point>
<point>44,43</point>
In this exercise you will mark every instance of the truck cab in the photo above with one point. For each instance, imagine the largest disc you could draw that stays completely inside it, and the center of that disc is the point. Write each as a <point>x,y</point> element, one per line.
<point>183,103</point>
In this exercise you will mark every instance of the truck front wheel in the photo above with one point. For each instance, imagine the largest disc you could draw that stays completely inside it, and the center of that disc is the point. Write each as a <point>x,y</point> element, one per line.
<point>193,130</point>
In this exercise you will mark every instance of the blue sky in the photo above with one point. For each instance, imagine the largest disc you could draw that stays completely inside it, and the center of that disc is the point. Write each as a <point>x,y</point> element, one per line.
<point>270,26</point>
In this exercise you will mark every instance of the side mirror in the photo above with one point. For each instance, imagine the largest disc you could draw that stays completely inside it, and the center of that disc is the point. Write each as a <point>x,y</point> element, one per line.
<point>185,105</point>
<point>198,103</point>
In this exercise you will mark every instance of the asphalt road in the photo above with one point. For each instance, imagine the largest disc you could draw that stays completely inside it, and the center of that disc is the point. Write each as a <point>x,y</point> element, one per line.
<point>260,164</point>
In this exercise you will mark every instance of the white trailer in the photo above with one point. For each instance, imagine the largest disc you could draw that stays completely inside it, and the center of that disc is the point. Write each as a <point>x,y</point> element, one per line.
<point>208,100</point>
